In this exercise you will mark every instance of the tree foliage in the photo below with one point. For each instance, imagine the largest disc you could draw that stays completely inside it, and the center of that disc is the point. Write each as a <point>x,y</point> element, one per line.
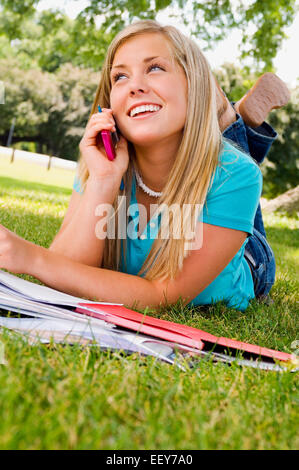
<point>283,174</point>
<point>50,94</point>
<point>49,109</point>
<point>50,39</point>
<point>262,23</point>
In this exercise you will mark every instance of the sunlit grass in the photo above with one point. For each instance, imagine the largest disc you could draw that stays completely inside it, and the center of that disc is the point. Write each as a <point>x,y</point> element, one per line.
<point>26,171</point>
<point>63,397</point>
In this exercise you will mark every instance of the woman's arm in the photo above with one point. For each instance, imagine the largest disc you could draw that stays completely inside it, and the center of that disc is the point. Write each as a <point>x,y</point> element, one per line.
<point>77,236</point>
<point>200,268</point>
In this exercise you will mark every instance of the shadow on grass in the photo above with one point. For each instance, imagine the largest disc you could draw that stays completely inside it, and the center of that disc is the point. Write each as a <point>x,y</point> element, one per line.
<point>11,183</point>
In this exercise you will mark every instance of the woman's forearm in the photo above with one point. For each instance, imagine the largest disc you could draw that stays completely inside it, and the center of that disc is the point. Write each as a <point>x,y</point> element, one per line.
<point>64,274</point>
<point>78,240</point>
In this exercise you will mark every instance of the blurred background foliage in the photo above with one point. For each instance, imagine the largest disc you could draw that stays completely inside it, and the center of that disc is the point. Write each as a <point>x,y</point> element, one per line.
<point>50,65</point>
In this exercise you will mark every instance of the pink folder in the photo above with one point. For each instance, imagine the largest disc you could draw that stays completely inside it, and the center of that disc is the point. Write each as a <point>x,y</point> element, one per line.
<point>175,332</point>
<point>140,326</point>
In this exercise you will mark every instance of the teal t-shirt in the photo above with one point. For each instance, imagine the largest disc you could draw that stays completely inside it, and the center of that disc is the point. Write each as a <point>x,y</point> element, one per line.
<point>231,202</point>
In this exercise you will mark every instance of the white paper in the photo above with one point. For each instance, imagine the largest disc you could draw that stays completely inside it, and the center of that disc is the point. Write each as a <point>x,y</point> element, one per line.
<point>52,320</point>
<point>32,291</point>
<point>73,332</point>
<point>24,306</point>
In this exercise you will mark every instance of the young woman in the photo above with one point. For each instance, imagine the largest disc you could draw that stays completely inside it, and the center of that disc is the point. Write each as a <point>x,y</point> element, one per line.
<point>157,87</point>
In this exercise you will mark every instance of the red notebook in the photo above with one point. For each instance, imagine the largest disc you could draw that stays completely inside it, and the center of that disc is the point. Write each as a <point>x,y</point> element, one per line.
<point>175,332</point>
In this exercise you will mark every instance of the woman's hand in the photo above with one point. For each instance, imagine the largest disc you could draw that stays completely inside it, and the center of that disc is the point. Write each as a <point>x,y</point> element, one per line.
<point>93,152</point>
<point>16,254</point>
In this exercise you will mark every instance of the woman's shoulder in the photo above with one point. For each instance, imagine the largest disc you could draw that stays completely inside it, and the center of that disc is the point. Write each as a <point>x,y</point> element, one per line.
<point>235,169</point>
<point>232,154</point>
<point>234,192</point>
<point>233,159</point>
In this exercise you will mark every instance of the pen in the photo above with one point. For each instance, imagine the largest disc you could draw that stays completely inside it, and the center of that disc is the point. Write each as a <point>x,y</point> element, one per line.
<point>107,141</point>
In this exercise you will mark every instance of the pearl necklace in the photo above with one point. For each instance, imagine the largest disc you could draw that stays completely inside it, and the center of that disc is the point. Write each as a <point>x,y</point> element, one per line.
<point>145,188</point>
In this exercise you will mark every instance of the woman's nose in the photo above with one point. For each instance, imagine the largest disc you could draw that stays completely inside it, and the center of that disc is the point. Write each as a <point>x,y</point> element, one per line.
<point>136,91</point>
<point>138,86</point>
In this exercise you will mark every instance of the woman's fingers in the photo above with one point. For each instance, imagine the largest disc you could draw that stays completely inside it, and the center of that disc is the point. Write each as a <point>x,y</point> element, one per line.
<point>93,131</point>
<point>105,116</point>
<point>97,123</point>
<point>92,149</point>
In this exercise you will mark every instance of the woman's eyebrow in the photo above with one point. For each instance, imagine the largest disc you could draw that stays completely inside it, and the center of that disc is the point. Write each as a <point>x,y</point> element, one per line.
<point>146,60</point>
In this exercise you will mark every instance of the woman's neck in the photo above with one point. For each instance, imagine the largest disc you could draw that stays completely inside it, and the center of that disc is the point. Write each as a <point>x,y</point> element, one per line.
<point>155,164</point>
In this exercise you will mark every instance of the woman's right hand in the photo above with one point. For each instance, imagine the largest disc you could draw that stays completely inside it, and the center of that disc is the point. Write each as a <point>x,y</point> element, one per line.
<point>93,152</point>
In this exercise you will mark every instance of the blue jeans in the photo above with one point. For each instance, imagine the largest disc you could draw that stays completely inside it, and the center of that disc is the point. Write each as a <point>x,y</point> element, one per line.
<point>258,253</point>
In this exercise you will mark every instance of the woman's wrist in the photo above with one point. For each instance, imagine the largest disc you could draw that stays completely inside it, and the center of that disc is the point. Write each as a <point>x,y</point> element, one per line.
<point>38,263</point>
<point>104,184</point>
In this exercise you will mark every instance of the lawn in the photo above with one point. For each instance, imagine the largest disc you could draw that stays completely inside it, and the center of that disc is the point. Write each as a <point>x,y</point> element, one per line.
<point>64,397</point>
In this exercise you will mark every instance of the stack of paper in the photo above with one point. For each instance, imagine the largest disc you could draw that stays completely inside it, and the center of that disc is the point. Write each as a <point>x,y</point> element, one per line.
<point>51,315</point>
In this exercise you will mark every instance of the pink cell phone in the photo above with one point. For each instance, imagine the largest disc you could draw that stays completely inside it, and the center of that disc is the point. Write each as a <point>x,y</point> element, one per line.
<point>110,140</point>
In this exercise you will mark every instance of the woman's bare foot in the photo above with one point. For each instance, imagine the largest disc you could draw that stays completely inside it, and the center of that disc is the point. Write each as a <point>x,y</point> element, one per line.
<point>269,92</point>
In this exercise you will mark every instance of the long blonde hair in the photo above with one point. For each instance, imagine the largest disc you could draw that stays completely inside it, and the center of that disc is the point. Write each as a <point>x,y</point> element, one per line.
<point>196,159</point>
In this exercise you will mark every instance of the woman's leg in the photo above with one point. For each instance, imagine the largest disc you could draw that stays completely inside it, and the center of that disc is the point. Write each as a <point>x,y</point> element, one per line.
<point>268,93</point>
<point>260,257</point>
<point>256,142</point>
<point>251,132</point>
<point>258,252</point>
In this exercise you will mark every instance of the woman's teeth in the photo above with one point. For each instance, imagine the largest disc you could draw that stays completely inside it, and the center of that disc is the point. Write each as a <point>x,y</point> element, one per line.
<point>143,109</point>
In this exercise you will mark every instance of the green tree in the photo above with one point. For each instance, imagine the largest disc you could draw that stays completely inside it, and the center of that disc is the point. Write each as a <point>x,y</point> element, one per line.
<point>50,39</point>
<point>13,14</point>
<point>50,98</point>
<point>49,109</point>
<point>263,23</point>
<point>283,173</point>
<point>29,95</point>
<point>68,117</point>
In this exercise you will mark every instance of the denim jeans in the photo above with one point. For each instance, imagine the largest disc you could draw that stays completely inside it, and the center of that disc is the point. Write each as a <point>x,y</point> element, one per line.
<point>258,253</point>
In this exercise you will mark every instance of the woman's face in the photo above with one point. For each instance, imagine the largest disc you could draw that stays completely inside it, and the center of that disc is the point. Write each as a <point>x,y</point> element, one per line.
<point>149,91</point>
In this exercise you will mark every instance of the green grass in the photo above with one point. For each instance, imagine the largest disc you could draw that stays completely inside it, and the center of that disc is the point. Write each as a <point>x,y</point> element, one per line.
<point>63,397</point>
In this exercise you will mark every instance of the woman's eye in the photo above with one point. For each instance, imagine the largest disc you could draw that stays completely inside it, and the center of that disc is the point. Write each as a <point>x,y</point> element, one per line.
<point>121,75</point>
<point>117,77</point>
<point>155,66</point>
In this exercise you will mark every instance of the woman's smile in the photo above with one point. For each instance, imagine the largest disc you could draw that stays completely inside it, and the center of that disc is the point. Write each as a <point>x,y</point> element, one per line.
<point>141,110</point>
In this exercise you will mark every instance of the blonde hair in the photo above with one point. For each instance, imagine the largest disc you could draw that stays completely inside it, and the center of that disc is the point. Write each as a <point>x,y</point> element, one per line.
<point>197,155</point>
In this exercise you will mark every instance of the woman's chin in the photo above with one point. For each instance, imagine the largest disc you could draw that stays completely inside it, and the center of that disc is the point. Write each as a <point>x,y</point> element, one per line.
<point>145,140</point>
